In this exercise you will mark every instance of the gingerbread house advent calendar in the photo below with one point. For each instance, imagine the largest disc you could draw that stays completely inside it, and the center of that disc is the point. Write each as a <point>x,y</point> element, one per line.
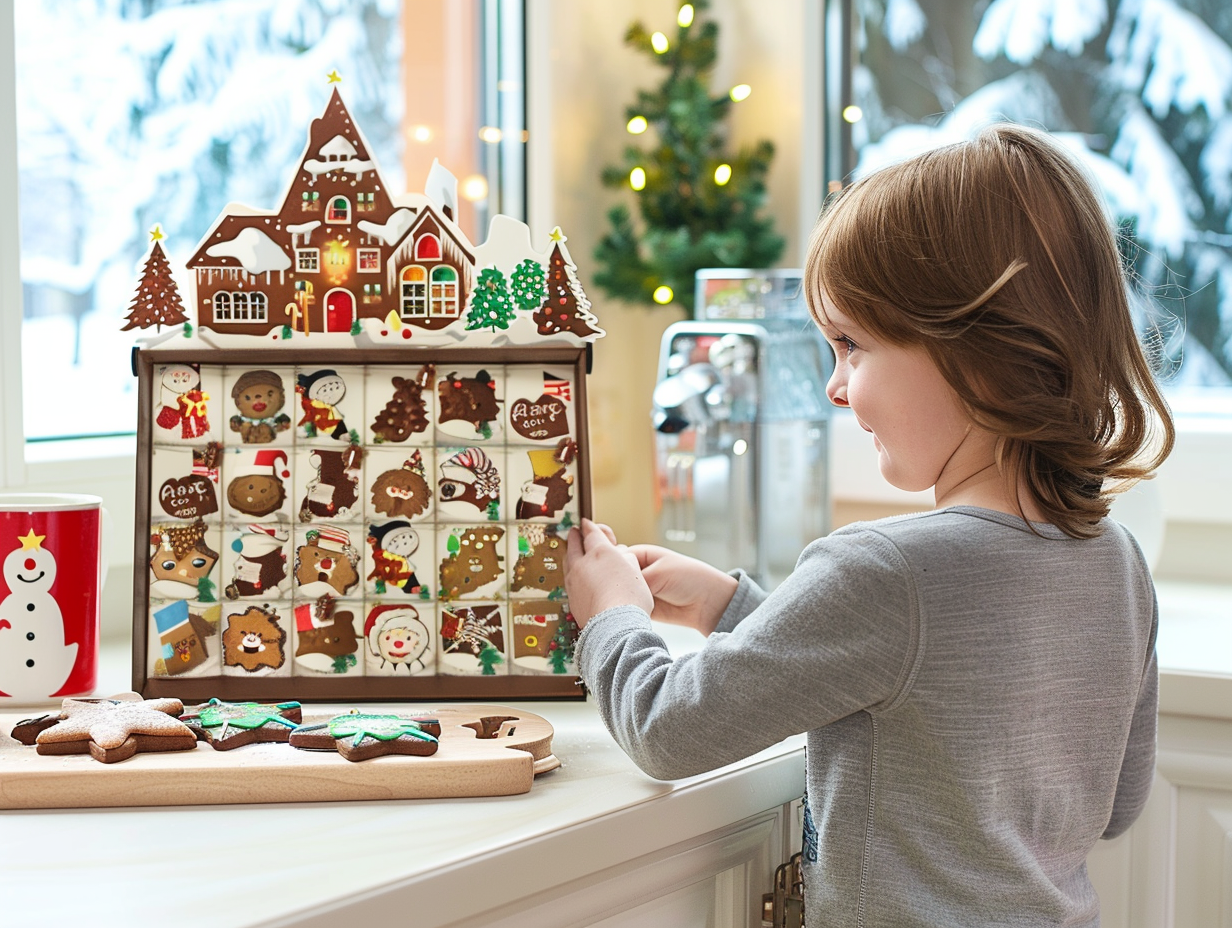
<point>357,469</point>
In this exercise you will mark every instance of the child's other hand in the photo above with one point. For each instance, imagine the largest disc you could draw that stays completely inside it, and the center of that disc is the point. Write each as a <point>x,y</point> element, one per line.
<point>602,574</point>
<point>686,591</point>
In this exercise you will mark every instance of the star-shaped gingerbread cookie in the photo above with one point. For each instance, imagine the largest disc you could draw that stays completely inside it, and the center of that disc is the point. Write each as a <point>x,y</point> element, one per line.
<point>116,729</point>
<point>359,736</point>
<point>227,725</point>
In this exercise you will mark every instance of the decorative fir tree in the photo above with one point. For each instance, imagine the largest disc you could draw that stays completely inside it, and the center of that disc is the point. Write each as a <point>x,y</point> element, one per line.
<point>560,649</point>
<point>491,304</point>
<point>526,285</point>
<point>698,203</point>
<point>566,308</point>
<point>489,657</point>
<point>157,301</point>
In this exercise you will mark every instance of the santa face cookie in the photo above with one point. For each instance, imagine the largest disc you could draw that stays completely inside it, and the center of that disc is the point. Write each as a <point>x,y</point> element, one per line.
<point>183,557</point>
<point>258,485</point>
<point>397,484</point>
<point>472,562</point>
<point>254,640</point>
<point>185,637</point>
<point>469,484</point>
<point>259,411</point>
<point>470,404</point>
<point>329,484</point>
<point>473,639</point>
<point>399,639</point>
<point>327,637</point>
<point>401,407</point>
<point>398,559</point>
<point>540,403</point>
<point>185,404</point>
<point>184,483</point>
<point>256,561</point>
<point>331,404</point>
<point>327,562</point>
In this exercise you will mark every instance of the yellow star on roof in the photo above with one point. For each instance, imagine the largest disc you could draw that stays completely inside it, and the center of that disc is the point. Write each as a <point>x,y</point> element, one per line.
<point>557,235</point>
<point>334,77</point>
<point>156,234</point>
<point>31,541</point>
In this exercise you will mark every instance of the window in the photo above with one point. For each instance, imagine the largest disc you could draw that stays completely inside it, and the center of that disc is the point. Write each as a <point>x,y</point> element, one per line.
<point>369,260</point>
<point>427,248</point>
<point>1141,98</point>
<point>311,201</point>
<point>365,202</point>
<point>444,292</point>
<point>239,306</point>
<point>307,259</point>
<point>414,291</point>
<point>339,210</point>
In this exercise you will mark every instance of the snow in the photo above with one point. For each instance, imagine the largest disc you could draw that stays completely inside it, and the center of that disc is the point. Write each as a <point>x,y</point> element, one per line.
<point>1216,162</point>
<point>303,228</point>
<point>1021,29</point>
<point>337,147</point>
<point>356,166</point>
<point>904,23</point>
<point>256,252</point>
<point>391,231</point>
<point>1165,215</point>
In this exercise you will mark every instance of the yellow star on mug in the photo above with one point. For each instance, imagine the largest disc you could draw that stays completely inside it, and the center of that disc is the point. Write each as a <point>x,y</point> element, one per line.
<point>31,541</point>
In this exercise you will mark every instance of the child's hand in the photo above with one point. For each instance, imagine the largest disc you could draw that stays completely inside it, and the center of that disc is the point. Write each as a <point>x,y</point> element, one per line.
<point>602,574</point>
<point>686,591</point>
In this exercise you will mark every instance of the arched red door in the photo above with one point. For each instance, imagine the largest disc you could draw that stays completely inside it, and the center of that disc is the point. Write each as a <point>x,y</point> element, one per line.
<point>339,311</point>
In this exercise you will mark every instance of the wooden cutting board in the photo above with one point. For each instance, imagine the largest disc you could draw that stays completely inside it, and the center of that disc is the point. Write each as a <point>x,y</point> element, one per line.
<point>466,764</point>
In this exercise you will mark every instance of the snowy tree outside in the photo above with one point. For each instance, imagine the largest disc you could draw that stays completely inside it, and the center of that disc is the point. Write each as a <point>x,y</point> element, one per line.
<point>132,113</point>
<point>1140,90</point>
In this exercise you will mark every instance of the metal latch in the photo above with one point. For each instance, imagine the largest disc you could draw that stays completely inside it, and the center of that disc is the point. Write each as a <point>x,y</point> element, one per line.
<point>784,908</point>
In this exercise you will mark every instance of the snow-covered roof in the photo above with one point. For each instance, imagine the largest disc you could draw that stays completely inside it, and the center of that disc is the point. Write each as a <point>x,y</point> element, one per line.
<point>391,231</point>
<point>338,147</point>
<point>256,252</point>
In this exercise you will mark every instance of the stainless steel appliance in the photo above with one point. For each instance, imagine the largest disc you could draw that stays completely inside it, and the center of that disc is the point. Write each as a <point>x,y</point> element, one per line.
<point>741,425</point>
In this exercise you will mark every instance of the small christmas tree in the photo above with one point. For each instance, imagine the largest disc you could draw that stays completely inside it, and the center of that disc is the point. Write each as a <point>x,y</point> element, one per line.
<point>566,308</point>
<point>489,657</point>
<point>560,648</point>
<point>157,301</point>
<point>698,203</point>
<point>527,285</point>
<point>491,304</point>
<point>406,413</point>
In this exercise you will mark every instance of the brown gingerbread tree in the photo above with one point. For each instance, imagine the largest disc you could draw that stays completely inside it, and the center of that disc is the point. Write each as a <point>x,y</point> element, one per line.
<point>565,308</point>
<point>406,413</point>
<point>157,302</point>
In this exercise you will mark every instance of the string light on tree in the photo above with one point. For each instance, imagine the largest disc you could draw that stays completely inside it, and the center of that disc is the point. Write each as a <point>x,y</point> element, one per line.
<point>699,199</point>
<point>663,295</point>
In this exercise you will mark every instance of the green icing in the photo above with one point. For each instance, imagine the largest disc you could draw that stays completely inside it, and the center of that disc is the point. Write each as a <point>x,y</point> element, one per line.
<point>380,727</point>
<point>245,715</point>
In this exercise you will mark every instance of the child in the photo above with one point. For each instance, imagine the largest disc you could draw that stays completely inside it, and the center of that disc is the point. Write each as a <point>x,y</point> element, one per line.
<point>977,683</point>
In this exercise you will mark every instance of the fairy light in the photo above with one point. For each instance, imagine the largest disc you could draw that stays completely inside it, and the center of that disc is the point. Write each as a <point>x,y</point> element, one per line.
<point>663,295</point>
<point>722,174</point>
<point>852,113</point>
<point>684,18</point>
<point>658,42</point>
<point>637,125</point>
<point>637,178</point>
<point>421,134</point>
<point>475,188</point>
<point>491,134</point>
<point>740,92</point>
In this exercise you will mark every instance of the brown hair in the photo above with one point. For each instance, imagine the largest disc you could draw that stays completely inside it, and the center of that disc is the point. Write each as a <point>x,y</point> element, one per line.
<point>996,257</point>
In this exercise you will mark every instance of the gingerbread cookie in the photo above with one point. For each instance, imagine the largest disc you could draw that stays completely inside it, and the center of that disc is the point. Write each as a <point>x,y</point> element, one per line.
<point>27,730</point>
<point>359,736</point>
<point>115,729</point>
<point>227,725</point>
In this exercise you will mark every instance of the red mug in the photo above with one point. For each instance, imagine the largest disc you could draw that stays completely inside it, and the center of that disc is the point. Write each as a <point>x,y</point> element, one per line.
<point>51,553</point>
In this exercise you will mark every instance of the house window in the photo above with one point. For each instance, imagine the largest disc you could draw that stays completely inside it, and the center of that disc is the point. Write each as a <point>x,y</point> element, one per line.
<point>365,202</point>
<point>414,291</point>
<point>372,293</point>
<point>311,201</point>
<point>444,291</point>
<point>307,259</point>
<point>369,260</point>
<point>428,248</point>
<point>239,306</point>
<point>339,210</point>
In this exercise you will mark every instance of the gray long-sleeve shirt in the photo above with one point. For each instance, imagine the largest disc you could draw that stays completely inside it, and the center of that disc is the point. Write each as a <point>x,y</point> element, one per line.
<point>980,705</point>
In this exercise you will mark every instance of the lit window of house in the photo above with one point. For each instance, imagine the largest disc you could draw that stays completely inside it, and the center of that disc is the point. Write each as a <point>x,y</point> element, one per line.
<point>339,210</point>
<point>444,291</point>
<point>307,259</point>
<point>365,202</point>
<point>414,291</point>
<point>369,260</point>
<point>311,201</point>
<point>222,306</point>
<point>428,248</point>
